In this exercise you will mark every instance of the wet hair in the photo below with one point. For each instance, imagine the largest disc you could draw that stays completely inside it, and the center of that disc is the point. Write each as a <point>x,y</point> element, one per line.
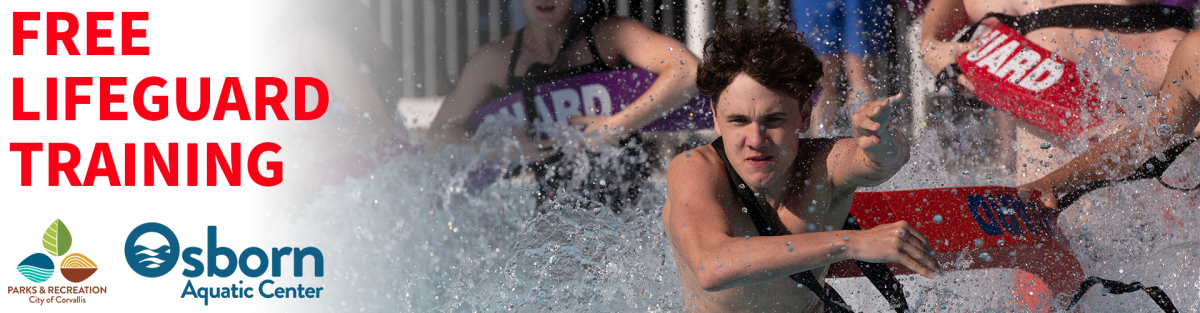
<point>776,56</point>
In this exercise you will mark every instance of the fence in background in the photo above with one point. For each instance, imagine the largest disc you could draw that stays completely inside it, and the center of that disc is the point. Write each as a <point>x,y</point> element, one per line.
<point>433,39</point>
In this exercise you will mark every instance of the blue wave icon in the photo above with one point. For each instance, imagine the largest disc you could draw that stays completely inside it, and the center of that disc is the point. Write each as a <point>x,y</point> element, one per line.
<point>37,267</point>
<point>149,257</point>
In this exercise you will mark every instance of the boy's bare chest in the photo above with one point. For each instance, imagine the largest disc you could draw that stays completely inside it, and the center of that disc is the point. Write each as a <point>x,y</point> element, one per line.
<point>816,207</point>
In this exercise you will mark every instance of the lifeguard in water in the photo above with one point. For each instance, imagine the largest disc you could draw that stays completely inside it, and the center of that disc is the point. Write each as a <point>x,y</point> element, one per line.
<point>575,68</point>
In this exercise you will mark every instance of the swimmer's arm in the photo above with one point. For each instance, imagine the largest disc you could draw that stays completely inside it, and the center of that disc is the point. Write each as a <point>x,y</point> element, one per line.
<point>876,152</point>
<point>700,231</point>
<point>942,20</point>
<point>660,54</point>
<point>1119,155</point>
<point>480,77</point>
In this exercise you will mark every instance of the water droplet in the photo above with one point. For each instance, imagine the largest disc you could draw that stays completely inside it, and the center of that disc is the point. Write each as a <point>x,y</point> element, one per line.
<point>747,236</point>
<point>812,209</point>
<point>1085,227</point>
<point>1147,94</point>
<point>954,191</point>
<point>979,242</point>
<point>1124,97</point>
<point>985,257</point>
<point>689,154</point>
<point>791,249</point>
<point>745,210</point>
<point>1044,145</point>
<point>846,238</point>
<point>829,228</point>
<point>1160,156</point>
<point>742,186</point>
<point>702,267</point>
<point>1164,130</point>
<point>1149,167</point>
<point>843,248</point>
<point>937,218</point>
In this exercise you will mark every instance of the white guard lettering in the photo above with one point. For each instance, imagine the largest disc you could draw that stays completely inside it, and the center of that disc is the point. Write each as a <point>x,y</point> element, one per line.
<point>593,93</point>
<point>1016,68</point>
<point>1052,72</point>
<point>997,58</point>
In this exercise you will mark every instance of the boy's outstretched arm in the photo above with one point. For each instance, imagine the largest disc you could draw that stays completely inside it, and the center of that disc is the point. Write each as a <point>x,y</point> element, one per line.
<point>876,152</point>
<point>700,227</point>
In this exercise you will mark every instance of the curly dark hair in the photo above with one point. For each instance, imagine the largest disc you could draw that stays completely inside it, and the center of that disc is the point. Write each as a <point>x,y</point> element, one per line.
<point>776,56</point>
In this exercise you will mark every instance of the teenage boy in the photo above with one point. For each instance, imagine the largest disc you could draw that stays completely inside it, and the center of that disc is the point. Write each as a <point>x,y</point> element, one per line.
<point>761,79</point>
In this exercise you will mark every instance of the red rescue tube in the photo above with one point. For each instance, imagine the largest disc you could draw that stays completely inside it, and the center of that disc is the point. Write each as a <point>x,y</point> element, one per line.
<point>1033,84</point>
<point>960,221</point>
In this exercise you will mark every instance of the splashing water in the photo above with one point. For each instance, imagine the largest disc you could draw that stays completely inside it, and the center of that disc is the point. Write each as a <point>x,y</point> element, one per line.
<point>419,233</point>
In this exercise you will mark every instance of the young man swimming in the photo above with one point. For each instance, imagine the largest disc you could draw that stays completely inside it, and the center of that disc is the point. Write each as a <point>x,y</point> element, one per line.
<point>760,79</point>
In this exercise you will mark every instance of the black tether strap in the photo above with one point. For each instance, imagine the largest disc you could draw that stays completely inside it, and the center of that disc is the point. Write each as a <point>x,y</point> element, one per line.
<point>877,273</point>
<point>1152,168</point>
<point>1115,287</point>
<point>1124,18</point>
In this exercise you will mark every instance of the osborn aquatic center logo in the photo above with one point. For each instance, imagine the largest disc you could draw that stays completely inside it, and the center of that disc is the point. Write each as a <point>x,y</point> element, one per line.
<point>152,250</point>
<point>39,268</point>
<point>147,261</point>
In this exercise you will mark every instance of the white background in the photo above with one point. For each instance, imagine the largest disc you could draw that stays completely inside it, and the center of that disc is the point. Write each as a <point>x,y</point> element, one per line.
<point>187,39</point>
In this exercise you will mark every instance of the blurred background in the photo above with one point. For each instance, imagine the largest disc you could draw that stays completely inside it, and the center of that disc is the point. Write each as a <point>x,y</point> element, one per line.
<point>431,40</point>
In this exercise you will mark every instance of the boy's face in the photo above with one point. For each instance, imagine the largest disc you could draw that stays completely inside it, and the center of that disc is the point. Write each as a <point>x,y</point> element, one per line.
<point>760,129</point>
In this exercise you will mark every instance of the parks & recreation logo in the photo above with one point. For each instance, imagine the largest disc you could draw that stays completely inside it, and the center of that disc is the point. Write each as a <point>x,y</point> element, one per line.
<point>152,250</point>
<point>38,268</point>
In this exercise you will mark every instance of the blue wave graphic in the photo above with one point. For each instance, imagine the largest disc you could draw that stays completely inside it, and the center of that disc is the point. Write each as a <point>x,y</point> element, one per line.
<point>34,274</point>
<point>37,267</point>
<point>149,257</point>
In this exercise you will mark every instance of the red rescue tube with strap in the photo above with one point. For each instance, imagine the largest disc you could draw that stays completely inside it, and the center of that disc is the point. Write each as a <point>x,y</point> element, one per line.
<point>990,225</point>
<point>1033,84</point>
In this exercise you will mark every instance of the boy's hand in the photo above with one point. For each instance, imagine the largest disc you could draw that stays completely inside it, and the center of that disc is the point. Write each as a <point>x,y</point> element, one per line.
<point>871,122</point>
<point>1040,190</point>
<point>896,242</point>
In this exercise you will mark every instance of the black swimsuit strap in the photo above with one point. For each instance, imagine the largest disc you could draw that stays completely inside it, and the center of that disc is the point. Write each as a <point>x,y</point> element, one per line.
<point>586,25</point>
<point>516,54</point>
<point>878,274</point>
<point>591,44</point>
<point>1135,18</point>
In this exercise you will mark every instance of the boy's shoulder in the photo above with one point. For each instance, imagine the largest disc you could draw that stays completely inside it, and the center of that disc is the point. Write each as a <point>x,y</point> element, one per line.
<point>699,170</point>
<point>699,160</point>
